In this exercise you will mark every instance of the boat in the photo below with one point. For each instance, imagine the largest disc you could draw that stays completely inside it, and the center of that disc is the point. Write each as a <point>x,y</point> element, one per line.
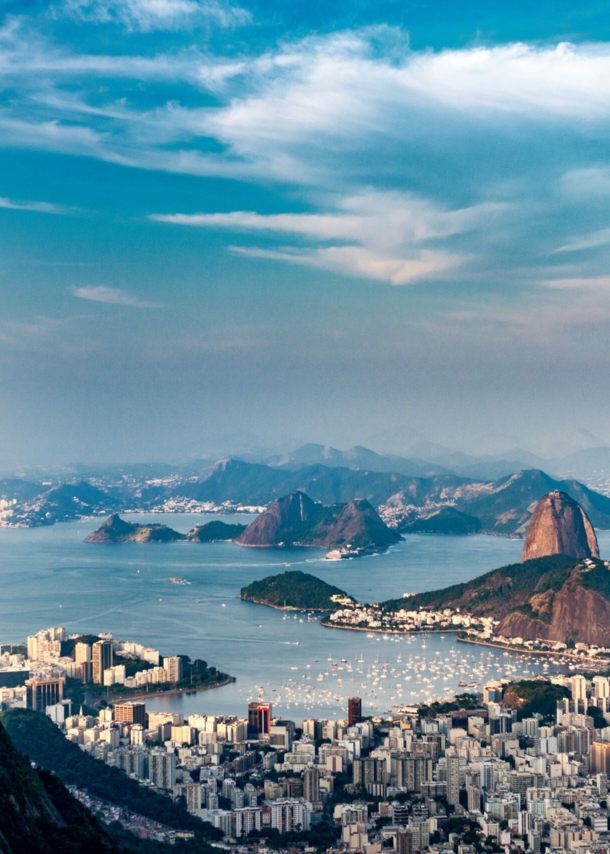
<point>343,554</point>
<point>177,579</point>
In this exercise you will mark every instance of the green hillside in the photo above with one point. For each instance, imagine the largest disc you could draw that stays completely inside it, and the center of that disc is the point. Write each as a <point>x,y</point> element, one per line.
<point>293,589</point>
<point>497,592</point>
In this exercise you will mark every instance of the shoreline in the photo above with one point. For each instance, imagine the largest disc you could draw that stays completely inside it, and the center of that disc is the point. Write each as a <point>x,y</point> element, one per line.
<point>120,698</point>
<point>391,631</point>
<point>544,652</point>
<point>284,607</point>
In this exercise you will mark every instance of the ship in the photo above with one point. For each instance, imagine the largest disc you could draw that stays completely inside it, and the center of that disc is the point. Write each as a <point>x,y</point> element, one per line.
<point>343,554</point>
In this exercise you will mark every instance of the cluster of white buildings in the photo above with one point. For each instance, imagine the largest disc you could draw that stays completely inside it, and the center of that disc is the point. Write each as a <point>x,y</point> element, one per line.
<point>376,618</point>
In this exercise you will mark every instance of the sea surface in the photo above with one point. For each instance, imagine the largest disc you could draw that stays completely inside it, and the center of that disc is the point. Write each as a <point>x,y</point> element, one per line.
<point>49,577</point>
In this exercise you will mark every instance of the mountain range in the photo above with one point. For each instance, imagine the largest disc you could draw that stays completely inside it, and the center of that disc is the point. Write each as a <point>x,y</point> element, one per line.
<point>403,491</point>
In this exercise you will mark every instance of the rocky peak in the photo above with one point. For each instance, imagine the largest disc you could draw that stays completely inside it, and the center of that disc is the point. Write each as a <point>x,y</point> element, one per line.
<point>559,525</point>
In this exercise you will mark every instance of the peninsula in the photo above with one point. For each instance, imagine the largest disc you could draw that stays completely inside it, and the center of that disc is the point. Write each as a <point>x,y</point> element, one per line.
<point>296,589</point>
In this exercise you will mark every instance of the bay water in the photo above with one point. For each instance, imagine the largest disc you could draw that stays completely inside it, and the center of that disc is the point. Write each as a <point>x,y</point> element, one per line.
<point>50,577</point>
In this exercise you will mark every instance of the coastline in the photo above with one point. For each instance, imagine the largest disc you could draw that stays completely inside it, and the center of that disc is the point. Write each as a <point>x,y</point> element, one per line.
<point>284,607</point>
<point>120,698</point>
<point>390,631</point>
<point>543,652</point>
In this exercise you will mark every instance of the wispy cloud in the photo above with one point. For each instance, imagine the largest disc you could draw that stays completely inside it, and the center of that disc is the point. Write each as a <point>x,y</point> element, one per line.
<point>146,15</point>
<point>382,235</point>
<point>115,296</point>
<point>39,207</point>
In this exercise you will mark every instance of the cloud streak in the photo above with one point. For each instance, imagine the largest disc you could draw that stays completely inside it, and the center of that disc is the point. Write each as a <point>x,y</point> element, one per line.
<point>112,296</point>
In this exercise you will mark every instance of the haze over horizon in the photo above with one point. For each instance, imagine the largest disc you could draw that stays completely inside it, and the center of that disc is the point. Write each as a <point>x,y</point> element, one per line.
<point>228,227</point>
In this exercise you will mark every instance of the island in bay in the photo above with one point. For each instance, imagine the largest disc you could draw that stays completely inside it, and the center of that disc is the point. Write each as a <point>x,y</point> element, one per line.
<point>296,589</point>
<point>117,530</point>
<point>296,520</point>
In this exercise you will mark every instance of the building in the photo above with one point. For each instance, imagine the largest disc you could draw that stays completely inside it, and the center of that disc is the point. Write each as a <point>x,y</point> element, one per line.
<point>487,777</point>
<point>372,776</point>
<point>311,785</point>
<point>173,668</point>
<point>579,693</point>
<point>259,719</point>
<point>247,819</point>
<point>288,815</point>
<point>281,734</point>
<point>130,713</point>
<point>453,779</point>
<point>162,769</point>
<point>44,692</point>
<point>82,653</point>
<point>354,711</point>
<point>601,687</point>
<point>600,757</point>
<point>404,842</point>
<point>412,772</point>
<point>191,792</point>
<point>101,657</point>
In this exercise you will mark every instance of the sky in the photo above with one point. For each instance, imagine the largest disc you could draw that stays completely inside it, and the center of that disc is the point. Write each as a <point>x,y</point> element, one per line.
<point>236,226</point>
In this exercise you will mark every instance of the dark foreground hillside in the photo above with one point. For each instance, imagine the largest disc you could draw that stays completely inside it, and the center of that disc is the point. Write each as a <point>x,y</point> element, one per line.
<point>39,816</point>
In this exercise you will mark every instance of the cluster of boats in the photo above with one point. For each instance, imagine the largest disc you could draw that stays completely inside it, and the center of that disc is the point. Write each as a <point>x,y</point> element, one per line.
<point>413,676</point>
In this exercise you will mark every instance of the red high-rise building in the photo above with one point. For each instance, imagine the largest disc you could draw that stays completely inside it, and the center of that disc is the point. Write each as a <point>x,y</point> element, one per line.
<point>354,710</point>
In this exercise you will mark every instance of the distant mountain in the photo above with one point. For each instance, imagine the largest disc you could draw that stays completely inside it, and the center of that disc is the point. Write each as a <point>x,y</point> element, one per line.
<point>294,589</point>
<point>357,457</point>
<point>252,483</point>
<point>37,813</point>
<point>297,520</point>
<point>116,530</point>
<point>559,526</point>
<point>443,520</point>
<point>505,506</point>
<point>553,598</point>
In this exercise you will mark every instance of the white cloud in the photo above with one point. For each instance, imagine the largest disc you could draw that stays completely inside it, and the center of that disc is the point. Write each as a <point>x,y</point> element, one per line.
<point>386,234</point>
<point>39,207</point>
<point>115,296</point>
<point>148,15</point>
<point>589,241</point>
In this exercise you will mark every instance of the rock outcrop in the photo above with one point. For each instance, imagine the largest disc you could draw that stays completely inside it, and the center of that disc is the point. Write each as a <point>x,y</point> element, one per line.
<point>559,525</point>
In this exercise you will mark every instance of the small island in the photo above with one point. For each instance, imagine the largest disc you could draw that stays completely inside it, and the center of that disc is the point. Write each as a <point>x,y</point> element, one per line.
<point>296,589</point>
<point>117,530</point>
<point>214,532</point>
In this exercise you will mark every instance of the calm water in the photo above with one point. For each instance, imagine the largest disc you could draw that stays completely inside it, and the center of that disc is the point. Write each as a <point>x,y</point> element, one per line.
<point>50,577</point>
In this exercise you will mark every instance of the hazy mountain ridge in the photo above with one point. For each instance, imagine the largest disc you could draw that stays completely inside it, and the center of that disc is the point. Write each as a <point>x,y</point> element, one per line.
<point>503,506</point>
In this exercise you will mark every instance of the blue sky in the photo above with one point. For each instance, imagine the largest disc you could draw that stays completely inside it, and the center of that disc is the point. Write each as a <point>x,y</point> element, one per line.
<point>229,227</point>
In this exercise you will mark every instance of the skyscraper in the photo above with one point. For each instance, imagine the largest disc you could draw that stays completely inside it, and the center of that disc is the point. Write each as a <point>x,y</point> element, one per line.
<point>354,710</point>
<point>102,660</point>
<point>311,785</point>
<point>44,692</point>
<point>259,719</point>
<point>487,777</point>
<point>453,779</point>
<point>579,693</point>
